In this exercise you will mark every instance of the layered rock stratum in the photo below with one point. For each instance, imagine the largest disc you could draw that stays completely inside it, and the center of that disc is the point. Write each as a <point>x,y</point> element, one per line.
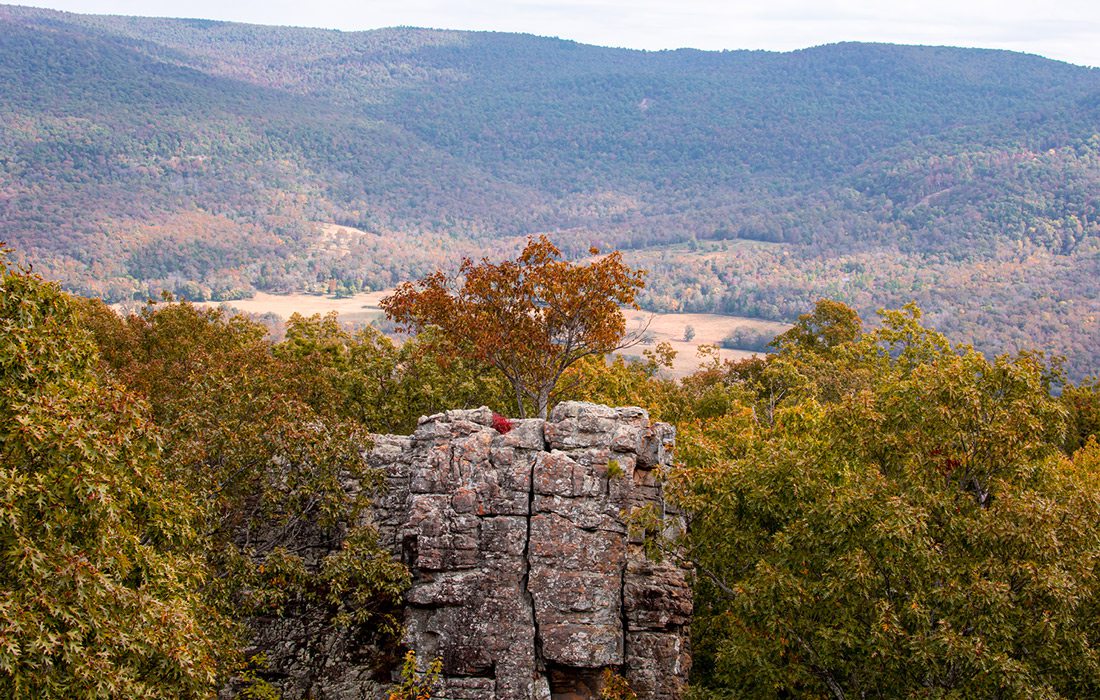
<point>527,551</point>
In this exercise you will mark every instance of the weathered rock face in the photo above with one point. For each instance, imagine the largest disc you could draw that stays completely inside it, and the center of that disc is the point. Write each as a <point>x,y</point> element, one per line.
<point>528,580</point>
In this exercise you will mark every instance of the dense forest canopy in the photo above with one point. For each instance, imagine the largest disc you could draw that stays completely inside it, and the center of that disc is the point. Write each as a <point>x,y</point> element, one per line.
<point>874,513</point>
<point>201,157</point>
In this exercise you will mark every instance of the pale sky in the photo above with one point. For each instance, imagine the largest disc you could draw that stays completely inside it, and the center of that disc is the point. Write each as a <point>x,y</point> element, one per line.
<point>1067,30</point>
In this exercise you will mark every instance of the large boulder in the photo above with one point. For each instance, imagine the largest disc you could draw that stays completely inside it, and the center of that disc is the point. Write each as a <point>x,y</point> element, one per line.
<point>529,575</point>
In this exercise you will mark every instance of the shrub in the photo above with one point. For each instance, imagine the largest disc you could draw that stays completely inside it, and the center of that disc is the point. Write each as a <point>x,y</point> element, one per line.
<point>501,424</point>
<point>614,469</point>
<point>615,687</point>
<point>416,685</point>
<point>749,339</point>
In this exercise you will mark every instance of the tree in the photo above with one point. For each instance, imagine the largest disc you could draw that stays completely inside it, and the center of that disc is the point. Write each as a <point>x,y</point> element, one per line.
<point>1082,402</point>
<point>100,580</point>
<point>384,385</point>
<point>530,318</point>
<point>689,333</point>
<point>259,440</point>
<point>830,324</point>
<point>912,530</point>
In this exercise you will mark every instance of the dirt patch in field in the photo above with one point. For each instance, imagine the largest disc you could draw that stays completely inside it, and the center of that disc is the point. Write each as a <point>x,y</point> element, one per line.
<point>359,309</point>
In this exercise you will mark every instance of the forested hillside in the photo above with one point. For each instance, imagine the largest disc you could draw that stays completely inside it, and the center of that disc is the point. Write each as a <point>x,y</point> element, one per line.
<point>201,157</point>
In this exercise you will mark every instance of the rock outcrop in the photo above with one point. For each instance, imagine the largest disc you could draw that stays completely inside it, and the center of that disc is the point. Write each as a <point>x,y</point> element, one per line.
<point>529,572</point>
<point>529,575</point>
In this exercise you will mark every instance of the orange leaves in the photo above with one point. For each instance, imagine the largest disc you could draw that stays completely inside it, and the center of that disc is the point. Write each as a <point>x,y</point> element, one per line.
<point>531,318</point>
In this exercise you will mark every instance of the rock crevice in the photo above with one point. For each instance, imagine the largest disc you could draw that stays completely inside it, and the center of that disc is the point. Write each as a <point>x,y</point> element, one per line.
<point>528,579</point>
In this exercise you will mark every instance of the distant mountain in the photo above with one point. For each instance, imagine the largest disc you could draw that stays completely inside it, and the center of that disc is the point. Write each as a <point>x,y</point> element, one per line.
<point>139,154</point>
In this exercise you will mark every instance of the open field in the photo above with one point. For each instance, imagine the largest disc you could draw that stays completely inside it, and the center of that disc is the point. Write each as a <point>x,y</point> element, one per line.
<point>710,329</point>
<point>361,309</point>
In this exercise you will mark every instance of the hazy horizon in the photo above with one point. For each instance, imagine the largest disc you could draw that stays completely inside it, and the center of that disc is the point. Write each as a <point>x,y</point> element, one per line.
<point>1065,30</point>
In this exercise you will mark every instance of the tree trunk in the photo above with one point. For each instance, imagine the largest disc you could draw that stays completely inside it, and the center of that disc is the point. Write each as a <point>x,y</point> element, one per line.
<point>544,403</point>
<point>520,412</point>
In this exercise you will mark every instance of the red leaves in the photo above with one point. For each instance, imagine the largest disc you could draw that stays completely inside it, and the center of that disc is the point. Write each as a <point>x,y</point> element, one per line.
<point>501,424</point>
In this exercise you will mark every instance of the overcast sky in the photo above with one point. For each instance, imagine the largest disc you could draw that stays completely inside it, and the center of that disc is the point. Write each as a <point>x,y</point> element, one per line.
<point>1068,30</point>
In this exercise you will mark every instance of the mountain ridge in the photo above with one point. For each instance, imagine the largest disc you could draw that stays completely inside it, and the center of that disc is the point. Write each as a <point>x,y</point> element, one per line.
<point>198,156</point>
<point>205,23</point>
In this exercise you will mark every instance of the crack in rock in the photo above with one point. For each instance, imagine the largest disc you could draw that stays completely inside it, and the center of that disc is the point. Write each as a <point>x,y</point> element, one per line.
<point>527,582</point>
<point>540,664</point>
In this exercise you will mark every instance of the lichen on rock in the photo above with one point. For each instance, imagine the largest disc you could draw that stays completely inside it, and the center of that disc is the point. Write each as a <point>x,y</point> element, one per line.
<point>527,581</point>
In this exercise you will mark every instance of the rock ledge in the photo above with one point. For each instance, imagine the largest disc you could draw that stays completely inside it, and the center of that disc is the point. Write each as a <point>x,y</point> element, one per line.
<point>528,580</point>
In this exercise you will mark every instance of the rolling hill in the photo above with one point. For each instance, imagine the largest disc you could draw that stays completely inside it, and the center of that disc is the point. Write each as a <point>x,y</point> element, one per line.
<point>211,159</point>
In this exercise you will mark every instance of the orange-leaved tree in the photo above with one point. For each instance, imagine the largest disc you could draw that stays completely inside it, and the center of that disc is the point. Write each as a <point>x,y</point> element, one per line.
<point>531,318</point>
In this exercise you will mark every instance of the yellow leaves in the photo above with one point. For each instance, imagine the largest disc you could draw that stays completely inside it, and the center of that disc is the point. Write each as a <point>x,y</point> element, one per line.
<point>615,687</point>
<point>98,599</point>
<point>417,684</point>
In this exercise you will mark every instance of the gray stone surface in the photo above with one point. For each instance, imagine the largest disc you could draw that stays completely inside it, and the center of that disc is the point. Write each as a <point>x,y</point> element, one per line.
<point>527,579</point>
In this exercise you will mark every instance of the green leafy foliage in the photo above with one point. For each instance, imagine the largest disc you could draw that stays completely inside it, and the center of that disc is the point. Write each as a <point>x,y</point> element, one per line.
<point>886,515</point>
<point>253,686</point>
<point>272,446</point>
<point>749,339</point>
<point>366,376</point>
<point>1082,403</point>
<point>100,581</point>
<point>614,469</point>
<point>417,684</point>
<point>873,513</point>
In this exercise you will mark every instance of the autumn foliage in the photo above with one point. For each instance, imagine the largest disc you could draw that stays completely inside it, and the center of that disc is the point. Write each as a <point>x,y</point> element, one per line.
<point>531,318</point>
<point>874,513</point>
<point>501,424</point>
<point>100,579</point>
<point>885,514</point>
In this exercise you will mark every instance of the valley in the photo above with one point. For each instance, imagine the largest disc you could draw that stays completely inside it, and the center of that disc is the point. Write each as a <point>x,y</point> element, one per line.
<point>140,154</point>
<point>307,381</point>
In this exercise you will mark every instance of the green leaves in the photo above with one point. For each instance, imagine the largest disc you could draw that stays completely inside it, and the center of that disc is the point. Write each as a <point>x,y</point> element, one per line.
<point>366,377</point>
<point>138,535</point>
<point>99,581</point>
<point>904,525</point>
